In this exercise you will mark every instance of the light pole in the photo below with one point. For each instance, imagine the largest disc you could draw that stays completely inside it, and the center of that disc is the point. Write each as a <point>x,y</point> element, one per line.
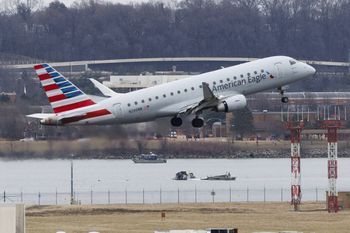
<point>71,182</point>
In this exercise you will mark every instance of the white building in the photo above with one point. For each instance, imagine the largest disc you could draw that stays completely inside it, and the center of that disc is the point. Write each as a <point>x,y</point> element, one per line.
<point>145,80</point>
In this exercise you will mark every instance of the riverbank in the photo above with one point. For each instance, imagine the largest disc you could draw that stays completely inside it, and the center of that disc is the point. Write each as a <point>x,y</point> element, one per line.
<point>97,148</point>
<point>247,217</point>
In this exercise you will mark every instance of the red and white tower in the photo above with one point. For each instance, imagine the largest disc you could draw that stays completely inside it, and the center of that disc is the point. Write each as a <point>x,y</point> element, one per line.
<point>295,138</point>
<point>332,127</point>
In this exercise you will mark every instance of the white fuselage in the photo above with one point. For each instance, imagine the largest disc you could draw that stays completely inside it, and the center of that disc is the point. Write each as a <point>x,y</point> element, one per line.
<point>168,99</point>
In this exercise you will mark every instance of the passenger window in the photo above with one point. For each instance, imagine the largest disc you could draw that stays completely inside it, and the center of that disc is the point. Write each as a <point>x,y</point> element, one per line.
<point>135,102</point>
<point>150,99</point>
<point>171,93</point>
<point>214,83</point>
<point>200,86</point>
<point>164,95</point>
<point>248,74</point>
<point>178,92</point>
<point>235,78</point>
<point>255,72</point>
<point>157,97</point>
<point>129,105</point>
<point>185,90</point>
<point>221,81</point>
<point>228,79</point>
<point>142,101</point>
<point>241,75</point>
<point>262,71</point>
<point>192,88</point>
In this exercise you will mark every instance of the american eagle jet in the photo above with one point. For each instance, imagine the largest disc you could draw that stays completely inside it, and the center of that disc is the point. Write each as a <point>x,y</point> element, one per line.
<point>222,90</point>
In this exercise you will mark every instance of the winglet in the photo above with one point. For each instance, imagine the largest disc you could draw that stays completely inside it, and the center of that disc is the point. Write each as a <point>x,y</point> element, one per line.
<point>105,90</point>
<point>207,93</point>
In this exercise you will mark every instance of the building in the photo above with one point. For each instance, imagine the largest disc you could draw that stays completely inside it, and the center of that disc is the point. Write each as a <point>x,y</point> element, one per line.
<point>146,79</point>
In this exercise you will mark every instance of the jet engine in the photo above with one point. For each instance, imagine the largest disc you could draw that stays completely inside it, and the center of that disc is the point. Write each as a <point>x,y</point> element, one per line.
<point>232,103</point>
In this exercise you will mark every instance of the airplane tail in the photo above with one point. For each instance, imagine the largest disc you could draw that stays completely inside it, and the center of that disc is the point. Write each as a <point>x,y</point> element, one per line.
<point>62,94</point>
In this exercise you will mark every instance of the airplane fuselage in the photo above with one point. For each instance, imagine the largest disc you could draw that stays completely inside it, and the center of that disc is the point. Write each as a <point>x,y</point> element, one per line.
<point>166,99</point>
<point>181,96</point>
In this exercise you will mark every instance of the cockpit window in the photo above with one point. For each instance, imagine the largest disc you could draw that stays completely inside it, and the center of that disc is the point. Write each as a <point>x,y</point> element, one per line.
<point>292,62</point>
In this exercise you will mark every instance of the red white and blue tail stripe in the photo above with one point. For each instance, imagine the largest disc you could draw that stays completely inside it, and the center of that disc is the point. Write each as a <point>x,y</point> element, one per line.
<point>62,94</point>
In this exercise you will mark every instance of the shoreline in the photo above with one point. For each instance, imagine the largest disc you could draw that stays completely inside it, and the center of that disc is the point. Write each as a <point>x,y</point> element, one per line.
<point>170,149</point>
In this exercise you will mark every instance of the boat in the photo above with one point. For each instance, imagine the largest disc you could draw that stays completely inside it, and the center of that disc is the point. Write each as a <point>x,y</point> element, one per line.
<point>148,158</point>
<point>226,176</point>
<point>184,175</point>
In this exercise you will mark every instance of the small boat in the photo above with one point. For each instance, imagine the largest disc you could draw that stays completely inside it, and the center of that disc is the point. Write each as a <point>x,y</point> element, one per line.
<point>148,158</point>
<point>183,175</point>
<point>226,176</point>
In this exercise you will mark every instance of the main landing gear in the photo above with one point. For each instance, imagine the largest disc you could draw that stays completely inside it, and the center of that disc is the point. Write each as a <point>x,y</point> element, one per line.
<point>176,121</point>
<point>284,99</point>
<point>196,122</point>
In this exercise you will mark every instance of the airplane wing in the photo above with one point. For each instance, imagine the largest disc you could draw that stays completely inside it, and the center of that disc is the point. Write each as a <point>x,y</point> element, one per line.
<point>105,90</point>
<point>209,101</point>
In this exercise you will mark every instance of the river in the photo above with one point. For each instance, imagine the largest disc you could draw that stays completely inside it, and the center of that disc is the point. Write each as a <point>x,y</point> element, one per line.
<point>119,176</point>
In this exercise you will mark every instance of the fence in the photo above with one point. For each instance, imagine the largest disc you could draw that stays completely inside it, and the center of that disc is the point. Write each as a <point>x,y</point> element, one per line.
<point>164,196</point>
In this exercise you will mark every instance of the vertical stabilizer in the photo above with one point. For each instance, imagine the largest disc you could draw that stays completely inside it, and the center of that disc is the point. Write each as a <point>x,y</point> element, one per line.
<point>62,94</point>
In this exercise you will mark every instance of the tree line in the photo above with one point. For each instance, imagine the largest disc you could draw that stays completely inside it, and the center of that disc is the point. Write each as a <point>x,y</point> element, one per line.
<point>308,29</point>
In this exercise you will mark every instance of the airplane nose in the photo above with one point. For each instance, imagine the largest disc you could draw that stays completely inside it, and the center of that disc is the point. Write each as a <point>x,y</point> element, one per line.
<point>310,71</point>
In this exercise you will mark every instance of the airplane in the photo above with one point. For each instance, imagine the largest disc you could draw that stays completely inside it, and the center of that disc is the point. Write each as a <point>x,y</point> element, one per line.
<point>222,90</point>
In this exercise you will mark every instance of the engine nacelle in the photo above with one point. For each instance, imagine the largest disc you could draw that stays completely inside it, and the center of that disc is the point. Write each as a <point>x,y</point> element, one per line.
<point>232,103</point>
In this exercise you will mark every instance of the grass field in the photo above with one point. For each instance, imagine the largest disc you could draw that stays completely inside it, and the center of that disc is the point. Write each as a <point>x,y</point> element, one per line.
<point>247,217</point>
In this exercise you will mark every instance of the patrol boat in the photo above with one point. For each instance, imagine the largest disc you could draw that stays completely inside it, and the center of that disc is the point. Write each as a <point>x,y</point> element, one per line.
<point>148,158</point>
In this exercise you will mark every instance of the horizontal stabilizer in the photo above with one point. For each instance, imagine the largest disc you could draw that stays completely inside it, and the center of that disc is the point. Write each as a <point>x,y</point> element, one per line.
<point>41,115</point>
<point>58,117</point>
<point>105,90</point>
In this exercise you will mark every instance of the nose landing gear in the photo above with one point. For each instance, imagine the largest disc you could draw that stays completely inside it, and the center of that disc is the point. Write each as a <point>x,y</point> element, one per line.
<point>284,99</point>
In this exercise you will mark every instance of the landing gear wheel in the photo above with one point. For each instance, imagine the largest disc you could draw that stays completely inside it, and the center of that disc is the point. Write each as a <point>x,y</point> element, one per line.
<point>176,121</point>
<point>284,99</point>
<point>197,122</point>
<point>281,90</point>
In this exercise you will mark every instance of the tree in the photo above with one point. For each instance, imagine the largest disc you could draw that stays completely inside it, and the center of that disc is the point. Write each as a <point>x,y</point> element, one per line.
<point>243,121</point>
